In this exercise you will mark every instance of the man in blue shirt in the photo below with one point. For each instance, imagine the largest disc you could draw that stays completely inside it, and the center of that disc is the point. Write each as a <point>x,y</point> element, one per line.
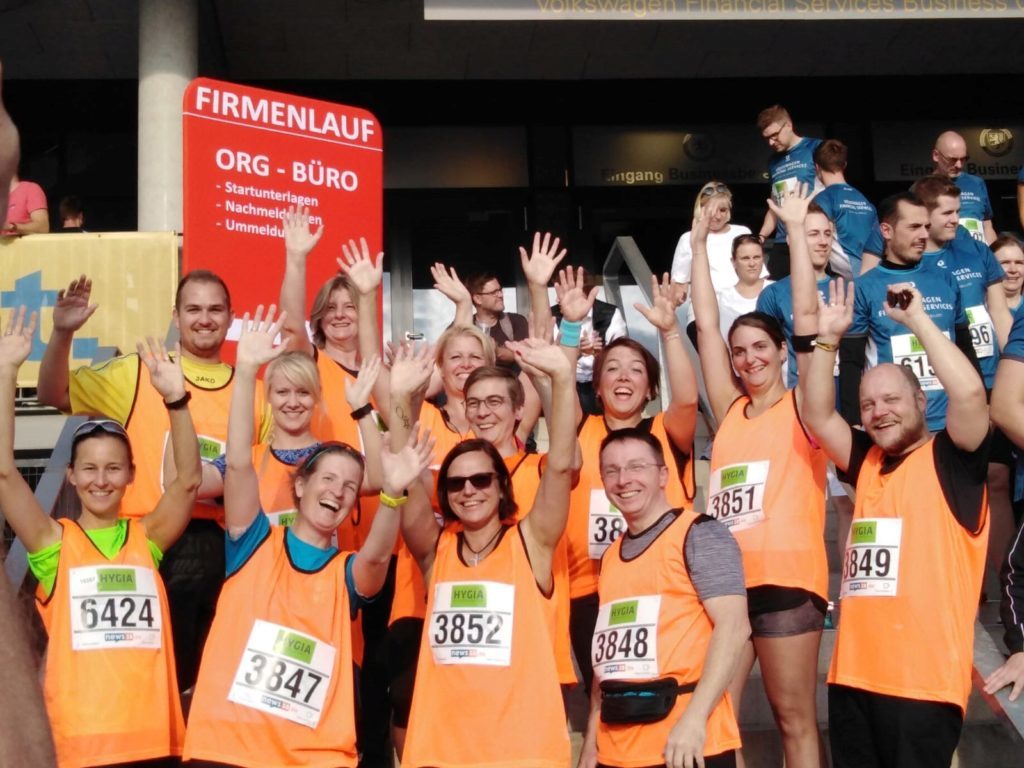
<point>791,165</point>
<point>857,246</point>
<point>874,337</point>
<point>950,158</point>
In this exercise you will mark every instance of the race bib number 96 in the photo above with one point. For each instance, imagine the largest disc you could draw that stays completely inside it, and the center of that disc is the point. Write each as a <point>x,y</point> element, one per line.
<point>114,606</point>
<point>284,673</point>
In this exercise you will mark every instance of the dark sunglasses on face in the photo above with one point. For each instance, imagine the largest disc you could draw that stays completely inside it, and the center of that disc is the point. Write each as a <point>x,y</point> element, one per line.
<point>480,481</point>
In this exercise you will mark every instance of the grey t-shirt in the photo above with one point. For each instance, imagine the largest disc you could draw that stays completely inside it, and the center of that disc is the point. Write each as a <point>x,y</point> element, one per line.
<point>711,554</point>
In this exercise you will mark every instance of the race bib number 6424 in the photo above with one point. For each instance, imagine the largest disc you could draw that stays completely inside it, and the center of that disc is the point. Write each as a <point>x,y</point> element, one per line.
<point>114,606</point>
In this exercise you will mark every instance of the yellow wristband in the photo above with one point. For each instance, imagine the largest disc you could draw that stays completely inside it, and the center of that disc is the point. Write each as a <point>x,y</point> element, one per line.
<point>828,346</point>
<point>392,501</point>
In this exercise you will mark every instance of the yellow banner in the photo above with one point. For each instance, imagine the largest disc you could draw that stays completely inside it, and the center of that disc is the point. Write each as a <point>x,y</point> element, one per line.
<point>133,274</point>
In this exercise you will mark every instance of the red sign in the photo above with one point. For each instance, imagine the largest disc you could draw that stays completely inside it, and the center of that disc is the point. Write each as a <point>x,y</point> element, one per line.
<point>249,155</point>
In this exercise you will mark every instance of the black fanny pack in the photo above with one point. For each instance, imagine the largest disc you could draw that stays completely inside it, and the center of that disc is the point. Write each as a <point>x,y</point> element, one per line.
<point>646,702</point>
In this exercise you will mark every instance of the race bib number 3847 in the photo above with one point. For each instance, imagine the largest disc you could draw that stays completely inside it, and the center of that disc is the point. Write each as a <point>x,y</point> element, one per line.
<point>114,606</point>
<point>284,673</point>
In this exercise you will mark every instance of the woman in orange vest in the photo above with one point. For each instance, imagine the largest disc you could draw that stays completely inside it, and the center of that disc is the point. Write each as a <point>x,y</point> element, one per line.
<point>276,682</point>
<point>768,485</point>
<point>487,690</point>
<point>626,379</point>
<point>109,683</point>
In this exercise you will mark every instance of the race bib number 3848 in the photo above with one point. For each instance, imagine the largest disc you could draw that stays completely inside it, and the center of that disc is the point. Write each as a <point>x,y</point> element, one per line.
<point>114,606</point>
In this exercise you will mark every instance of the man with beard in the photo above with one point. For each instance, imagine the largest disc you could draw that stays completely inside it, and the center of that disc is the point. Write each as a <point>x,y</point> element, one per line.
<point>912,572</point>
<point>193,569</point>
<point>875,338</point>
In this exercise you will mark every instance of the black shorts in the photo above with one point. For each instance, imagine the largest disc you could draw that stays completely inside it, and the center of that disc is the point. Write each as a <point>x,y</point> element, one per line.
<point>403,652</point>
<point>1002,450</point>
<point>872,730</point>
<point>784,611</point>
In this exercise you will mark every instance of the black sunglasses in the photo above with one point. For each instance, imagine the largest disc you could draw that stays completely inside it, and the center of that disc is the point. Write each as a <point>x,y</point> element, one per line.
<point>480,481</point>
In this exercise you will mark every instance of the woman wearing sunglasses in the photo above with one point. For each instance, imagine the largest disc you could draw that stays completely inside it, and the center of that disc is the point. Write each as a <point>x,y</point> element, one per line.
<point>109,683</point>
<point>276,681</point>
<point>487,690</point>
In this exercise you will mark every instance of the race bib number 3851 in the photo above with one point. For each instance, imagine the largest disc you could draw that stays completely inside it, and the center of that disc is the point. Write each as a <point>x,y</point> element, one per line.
<point>471,623</point>
<point>736,496</point>
<point>284,673</point>
<point>114,606</point>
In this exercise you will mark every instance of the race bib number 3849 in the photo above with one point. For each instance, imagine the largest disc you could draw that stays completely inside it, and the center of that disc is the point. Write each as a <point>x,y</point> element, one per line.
<point>284,673</point>
<point>114,606</point>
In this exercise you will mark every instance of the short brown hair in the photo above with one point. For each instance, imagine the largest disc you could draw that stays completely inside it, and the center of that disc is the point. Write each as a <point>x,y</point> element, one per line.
<point>201,276</point>
<point>776,113</point>
<point>930,188</point>
<point>475,283</point>
<point>831,156</point>
<point>512,382</point>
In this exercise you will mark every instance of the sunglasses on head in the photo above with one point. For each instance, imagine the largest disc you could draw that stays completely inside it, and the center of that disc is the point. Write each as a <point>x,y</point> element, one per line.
<point>480,481</point>
<point>713,189</point>
<point>109,426</point>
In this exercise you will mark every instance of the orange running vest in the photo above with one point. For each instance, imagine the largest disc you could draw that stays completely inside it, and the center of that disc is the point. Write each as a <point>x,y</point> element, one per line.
<point>593,522</point>
<point>281,639</point>
<point>679,641</point>
<point>149,429</point>
<point>504,710</point>
<point>919,642</point>
<point>107,702</point>
<point>771,492</point>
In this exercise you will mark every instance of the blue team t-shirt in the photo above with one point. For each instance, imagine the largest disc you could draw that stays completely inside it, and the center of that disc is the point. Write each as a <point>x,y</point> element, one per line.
<point>856,225</point>
<point>975,206</point>
<point>975,268</point>
<point>776,300</point>
<point>891,342</point>
<point>794,166</point>
<point>1015,344</point>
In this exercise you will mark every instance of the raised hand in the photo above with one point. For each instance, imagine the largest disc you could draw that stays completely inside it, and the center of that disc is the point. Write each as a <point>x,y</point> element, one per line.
<point>299,238</point>
<point>573,300</point>
<point>662,312</point>
<point>257,344</point>
<point>701,227</point>
<point>836,315</point>
<point>904,313</point>
<point>539,265</point>
<point>411,369</point>
<point>448,283</point>
<point>793,209</point>
<point>73,309</point>
<point>540,357</point>
<point>164,371</point>
<point>357,393</point>
<point>403,466</point>
<point>16,342</point>
<point>363,271</point>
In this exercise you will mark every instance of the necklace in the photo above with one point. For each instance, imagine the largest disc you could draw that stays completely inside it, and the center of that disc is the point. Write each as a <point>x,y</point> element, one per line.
<point>478,552</point>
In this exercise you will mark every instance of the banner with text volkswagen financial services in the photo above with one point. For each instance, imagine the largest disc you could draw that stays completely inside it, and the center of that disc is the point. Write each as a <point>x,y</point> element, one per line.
<point>249,154</point>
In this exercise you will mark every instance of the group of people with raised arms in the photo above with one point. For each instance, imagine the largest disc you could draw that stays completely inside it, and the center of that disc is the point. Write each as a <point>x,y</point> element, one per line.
<point>377,538</point>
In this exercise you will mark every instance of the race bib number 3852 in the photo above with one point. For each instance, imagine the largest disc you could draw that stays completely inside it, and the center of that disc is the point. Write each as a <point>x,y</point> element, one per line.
<point>471,623</point>
<point>284,673</point>
<point>114,606</point>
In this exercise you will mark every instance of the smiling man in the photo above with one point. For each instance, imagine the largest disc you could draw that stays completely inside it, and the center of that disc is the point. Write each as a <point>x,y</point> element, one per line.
<point>490,316</point>
<point>193,569</point>
<point>875,338</point>
<point>671,624</point>
<point>901,669</point>
<point>950,158</point>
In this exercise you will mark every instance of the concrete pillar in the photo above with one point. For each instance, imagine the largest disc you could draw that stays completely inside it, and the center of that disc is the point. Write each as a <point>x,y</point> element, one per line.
<point>168,56</point>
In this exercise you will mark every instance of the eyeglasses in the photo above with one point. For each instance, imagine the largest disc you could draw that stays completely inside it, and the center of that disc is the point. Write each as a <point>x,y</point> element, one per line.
<point>714,189</point>
<point>493,403</point>
<point>634,468</point>
<point>493,294</point>
<point>774,136</point>
<point>953,160</point>
<point>109,426</point>
<point>480,481</point>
